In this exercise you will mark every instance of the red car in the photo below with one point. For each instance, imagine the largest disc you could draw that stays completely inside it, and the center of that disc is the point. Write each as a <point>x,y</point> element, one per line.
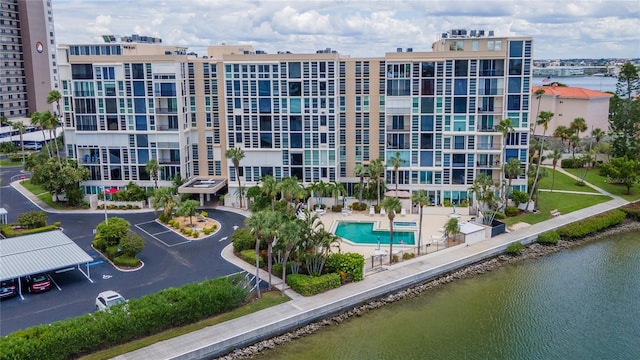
<point>38,283</point>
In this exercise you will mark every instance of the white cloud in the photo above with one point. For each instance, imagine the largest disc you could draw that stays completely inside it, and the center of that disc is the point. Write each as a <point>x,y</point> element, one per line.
<point>561,29</point>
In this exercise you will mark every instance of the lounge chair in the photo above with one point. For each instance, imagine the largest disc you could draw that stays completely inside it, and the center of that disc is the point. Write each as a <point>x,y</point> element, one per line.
<point>403,212</point>
<point>383,212</point>
<point>372,211</point>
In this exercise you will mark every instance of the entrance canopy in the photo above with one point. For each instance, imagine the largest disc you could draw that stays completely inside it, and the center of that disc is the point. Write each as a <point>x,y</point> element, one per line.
<point>41,252</point>
<point>203,185</point>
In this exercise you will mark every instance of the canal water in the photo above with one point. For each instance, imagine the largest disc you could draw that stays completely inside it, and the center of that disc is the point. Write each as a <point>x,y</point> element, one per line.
<point>582,303</point>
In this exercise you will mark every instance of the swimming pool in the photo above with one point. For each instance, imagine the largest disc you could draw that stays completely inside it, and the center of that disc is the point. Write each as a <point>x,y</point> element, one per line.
<point>404,223</point>
<point>363,233</point>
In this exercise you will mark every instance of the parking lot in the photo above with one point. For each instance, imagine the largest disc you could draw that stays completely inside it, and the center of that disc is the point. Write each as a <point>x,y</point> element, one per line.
<point>169,261</point>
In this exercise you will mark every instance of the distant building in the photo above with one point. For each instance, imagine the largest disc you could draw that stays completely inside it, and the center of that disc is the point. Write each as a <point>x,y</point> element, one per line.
<point>28,57</point>
<point>314,116</point>
<point>568,103</point>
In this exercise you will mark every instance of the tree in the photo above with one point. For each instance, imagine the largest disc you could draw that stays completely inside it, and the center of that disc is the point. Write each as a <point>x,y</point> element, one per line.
<point>51,122</point>
<point>574,141</point>
<point>290,189</point>
<point>543,119</point>
<point>58,180</point>
<point>316,249</point>
<point>113,231</point>
<point>337,189</point>
<point>578,125</point>
<point>164,198</point>
<point>563,133</point>
<point>512,169</point>
<point>54,96</point>
<point>290,232</point>
<point>131,243</point>
<point>188,208</point>
<point>376,170</point>
<point>452,228</point>
<point>272,221</point>
<point>270,189</point>
<point>256,223</point>
<point>542,172</point>
<point>624,114</point>
<point>41,122</point>
<point>152,168</point>
<point>21,127</point>
<point>360,171</point>
<point>505,126</point>
<point>236,155</point>
<point>420,197</point>
<point>538,94</point>
<point>318,189</point>
<point>391,205</point>
<point>484,190</point>
<point>623,171</point>
<point>555,157</point>
<point>598,134</point>
<point>396,161</point>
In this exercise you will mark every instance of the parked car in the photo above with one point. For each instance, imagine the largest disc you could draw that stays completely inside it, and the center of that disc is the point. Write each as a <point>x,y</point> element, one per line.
<point>107,299</point>
<point>8,289</point>
<point>38,282</point>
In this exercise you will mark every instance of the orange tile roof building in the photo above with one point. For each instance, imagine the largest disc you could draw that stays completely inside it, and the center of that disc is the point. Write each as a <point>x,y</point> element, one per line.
<point>568,103</point>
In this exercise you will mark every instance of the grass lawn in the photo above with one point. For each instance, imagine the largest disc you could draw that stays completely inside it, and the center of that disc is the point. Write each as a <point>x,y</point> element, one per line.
<point>268,299</point>
<point>42,194</point>
<point>565,203</point>
<point>8,162</point>
<point>600,181</point>
<point>563,182</point>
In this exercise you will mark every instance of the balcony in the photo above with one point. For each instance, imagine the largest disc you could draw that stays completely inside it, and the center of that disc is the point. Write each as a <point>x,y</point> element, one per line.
<point>487,129</point>
<point>169,161</point>
<point>169,111</point>
<point>482,146</point>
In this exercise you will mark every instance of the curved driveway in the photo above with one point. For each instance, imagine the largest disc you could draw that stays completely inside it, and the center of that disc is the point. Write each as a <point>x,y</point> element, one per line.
<point>165,266</point>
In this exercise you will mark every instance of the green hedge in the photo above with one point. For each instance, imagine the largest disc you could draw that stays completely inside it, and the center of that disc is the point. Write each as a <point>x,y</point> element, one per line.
<point>250,257</point>
<point>126,260</point>
<point>592,224</point>
<point>514,248</point>
<point>8,231</point>
<point>72,338</point>
<point>511,211</point>
<point>349,266</point>
<point>307,285</point>
<point>549,238</point>
<point>632,211</point>
<point>571,163</point>
<point>243,239</point>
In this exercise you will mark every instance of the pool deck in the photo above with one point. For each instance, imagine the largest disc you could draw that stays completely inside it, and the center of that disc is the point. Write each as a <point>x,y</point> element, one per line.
<point>433,221</point>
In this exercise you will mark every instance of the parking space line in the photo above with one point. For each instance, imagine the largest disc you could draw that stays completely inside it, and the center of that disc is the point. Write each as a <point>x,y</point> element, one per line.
<point>55,283</point>
<point>152,235</point>
<point>163,232</point>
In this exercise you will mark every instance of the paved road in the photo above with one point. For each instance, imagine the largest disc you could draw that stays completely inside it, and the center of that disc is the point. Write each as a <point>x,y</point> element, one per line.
<point>165,266</point>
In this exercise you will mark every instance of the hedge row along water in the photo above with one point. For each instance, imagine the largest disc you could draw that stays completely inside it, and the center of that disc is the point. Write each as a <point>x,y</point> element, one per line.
<point>592,224</point>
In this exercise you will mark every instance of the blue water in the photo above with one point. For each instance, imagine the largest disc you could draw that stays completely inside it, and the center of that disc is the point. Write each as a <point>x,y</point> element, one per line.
<point>598,83</point>
<point>404,223</point>
<point>363,233</point>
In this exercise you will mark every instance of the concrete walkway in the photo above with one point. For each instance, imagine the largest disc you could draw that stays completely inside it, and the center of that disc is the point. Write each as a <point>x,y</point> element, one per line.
<point>219,339</point>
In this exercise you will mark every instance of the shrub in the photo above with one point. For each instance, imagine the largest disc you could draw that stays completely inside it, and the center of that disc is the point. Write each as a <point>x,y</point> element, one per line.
<point>8,231</point>
<point>349,265</point>
<point>407,256</point>
<point>112,252</point>
<point>549,238</point>
<point>207,231</point>
<point>446,203</point>
<point>195,233</point>
<point>33,219</point>
<point>126,260</point>
<point>511,211</point>
<point>307,285</point>
<point>164,218</point>
<point>358,206</point>
<point>632,210</point>
<point>592,224</point>
<point>113,230</point>
<point>519,197</point>
<point>515,248</point>
<point>276,269</point>
<point>394,258</point>
<point>250,257</point>
<point>571,163</point>
<point>131,244</point>
<point>243,239</point>
<point>72,338</point>
<point>99,244</point>
<point>336,208</point>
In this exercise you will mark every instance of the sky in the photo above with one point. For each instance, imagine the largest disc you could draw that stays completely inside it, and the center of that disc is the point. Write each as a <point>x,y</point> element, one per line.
<point>561,29</point>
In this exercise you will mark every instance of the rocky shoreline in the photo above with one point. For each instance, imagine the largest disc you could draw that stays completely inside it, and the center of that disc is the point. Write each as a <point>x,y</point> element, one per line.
<point>533,251</point>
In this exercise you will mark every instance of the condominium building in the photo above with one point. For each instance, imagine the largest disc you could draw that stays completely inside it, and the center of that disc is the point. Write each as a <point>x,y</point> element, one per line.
<point>28,57</point>
<point>313,116</point>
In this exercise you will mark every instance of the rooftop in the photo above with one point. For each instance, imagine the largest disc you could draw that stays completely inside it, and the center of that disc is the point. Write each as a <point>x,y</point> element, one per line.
<point>571,92</point>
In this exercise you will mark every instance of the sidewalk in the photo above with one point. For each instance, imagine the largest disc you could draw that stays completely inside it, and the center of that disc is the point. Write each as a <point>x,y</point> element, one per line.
<point>219,339</point>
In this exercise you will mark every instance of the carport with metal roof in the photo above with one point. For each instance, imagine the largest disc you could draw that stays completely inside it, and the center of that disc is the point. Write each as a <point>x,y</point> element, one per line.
<point>40,253</point>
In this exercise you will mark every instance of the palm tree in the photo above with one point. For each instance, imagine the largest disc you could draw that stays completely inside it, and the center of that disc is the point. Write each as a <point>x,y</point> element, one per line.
<point>391,205</point>
<point>52,123</point>
<point>563,133</point>
<point>290,236</point>
<point>505,126</point>
<point>598,134</point>
<point>376,169</point>
<point>165,199</point>
<point>396,161</point>
<point>290,189</point>
<point>337,189</point>
<point>236,154</point>
<point>543,119</point>
<point>538,93</point>
<point>273,219</point>
<point>38,120</point>
<point>452,228</point>
<point>534,186</point>
<point>21,127</point>
<point>270,189</point>
<point>318,188</point>
<point>360,171</point>
<point>152,168</point>
<point>55,97</point>
<point>578,125</point>
<point>420,197</point>
<point>188,208</point>
<point>574,141</point>
<point>512,169</point>
<point>256,223</point>
<point>555,157</point>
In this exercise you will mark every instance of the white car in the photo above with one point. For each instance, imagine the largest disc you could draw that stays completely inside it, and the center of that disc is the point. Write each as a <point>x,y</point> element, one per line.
<point>107,299</point>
